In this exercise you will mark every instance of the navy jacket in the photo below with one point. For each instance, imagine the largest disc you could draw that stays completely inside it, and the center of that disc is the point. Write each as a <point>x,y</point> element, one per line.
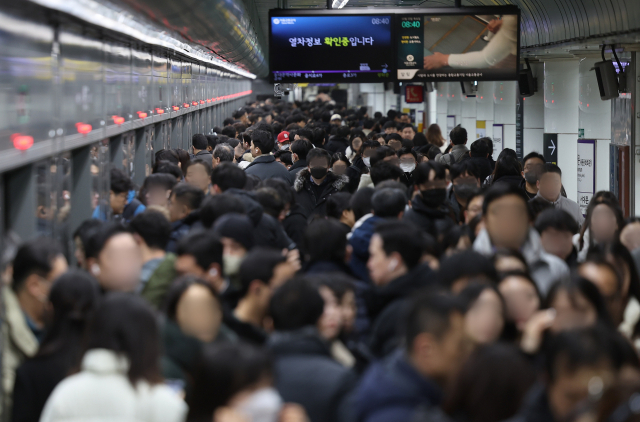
<point>266,167</point>
<point>393,391</point>
<point>181,228</point>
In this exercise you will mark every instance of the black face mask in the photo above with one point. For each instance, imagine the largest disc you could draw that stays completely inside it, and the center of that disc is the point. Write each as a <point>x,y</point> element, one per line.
<point>318,172</point>
<point>531,177</point>
<point>433,198</point>
<point>464,191</point>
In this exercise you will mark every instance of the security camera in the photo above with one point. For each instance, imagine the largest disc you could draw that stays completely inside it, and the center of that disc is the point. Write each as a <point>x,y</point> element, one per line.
<point>277,91</point>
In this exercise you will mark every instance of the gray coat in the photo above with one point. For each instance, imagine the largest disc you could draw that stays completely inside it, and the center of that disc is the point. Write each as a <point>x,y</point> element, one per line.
<point>266,167</point>
<point>455,156</point>
<point>545,268</point>
<point>566,204</point>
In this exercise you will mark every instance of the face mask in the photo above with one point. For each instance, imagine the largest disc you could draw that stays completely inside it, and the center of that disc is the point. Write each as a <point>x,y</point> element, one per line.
<point>284,147</point>
<point>531,177</point>
<point>407,168</point>
<point>367,161</point>
<point>262,406</point>
<point>464,191</point>
<point>433,198</point>
<point>318,172</point>
<point>231,264</point>
<point>350,154</point>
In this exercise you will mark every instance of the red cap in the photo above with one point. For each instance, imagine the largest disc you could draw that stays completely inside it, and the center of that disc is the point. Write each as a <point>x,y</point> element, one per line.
<point>283,137</point>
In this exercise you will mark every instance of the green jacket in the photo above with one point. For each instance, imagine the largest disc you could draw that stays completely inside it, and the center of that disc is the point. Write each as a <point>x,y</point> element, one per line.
<point>155,291</point>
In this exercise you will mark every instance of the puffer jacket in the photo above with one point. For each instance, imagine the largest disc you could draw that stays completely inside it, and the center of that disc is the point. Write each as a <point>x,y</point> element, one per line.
<point>306,198</point>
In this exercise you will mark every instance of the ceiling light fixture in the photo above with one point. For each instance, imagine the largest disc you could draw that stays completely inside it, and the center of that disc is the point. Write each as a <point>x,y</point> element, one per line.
<point>339,4</point>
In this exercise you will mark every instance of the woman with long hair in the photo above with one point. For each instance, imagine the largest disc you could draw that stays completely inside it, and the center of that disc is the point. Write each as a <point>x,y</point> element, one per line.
<point>119,377</point>
<point>434,137</point>
<point>603,223</point>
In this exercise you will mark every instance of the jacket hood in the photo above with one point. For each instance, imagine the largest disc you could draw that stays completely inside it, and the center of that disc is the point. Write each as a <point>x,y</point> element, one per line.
<point>305,341</point>
<point>252,207</point>
<point>303,176</point>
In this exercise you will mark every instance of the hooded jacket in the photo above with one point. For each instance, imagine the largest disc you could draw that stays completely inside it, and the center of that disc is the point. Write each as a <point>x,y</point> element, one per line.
<point>266,167</point>
<point>306,194</point>
<point>545,268</point>
<point>434,221</point>
<point>268,231</point>
<point>306,374</point>
<point>392,390</point>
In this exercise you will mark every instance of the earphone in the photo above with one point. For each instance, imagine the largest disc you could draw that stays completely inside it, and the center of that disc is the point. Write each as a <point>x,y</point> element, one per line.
<point>95,269</point>
<point>213,272</point>
<point>393,264</point>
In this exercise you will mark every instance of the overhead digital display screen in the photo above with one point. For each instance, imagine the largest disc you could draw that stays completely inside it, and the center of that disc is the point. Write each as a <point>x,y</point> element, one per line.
<point>448,47</point>
<point>331,48</point>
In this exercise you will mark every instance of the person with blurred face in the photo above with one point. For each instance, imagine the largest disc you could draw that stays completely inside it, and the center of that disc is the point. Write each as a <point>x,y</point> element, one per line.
<point>521,297</point>
<point>157,189</point>
<point>608,280</point>
<point>506,218</point>
<point>119,260</point>
<point>198,174</point>
<point>485,317</point>
<point>557,228</point>
<point>474,207</point>
<point>549,188</point>
<point>236,235</point>
<point>200,254</point>
<point>532,165</point>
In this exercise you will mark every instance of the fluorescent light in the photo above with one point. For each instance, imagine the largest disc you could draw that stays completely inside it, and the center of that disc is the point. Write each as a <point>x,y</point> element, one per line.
<point>339,4</point>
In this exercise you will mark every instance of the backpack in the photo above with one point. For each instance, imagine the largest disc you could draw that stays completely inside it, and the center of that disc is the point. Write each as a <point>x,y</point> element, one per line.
<point>130,209</point>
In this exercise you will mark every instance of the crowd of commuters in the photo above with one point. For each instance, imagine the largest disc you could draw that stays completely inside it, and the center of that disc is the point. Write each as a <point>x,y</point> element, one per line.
<point>310,262</point>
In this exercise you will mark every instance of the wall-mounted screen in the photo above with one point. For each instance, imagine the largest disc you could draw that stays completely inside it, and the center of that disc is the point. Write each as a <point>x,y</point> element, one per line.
<point>448,47</point>
<point>331,48</point>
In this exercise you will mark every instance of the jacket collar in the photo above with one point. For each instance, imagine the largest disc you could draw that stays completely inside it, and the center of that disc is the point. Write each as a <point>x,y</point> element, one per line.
<point>262,159</point>
<point>305,341</point>
<point>531,250</point>
<point>104,361</point>
<point>337,182</point>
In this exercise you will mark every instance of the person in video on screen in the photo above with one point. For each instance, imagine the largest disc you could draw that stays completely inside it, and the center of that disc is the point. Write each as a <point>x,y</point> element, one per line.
<point>496,54</point>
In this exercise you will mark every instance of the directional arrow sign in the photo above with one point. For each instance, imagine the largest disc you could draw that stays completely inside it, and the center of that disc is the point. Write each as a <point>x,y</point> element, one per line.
<point>550,147</point>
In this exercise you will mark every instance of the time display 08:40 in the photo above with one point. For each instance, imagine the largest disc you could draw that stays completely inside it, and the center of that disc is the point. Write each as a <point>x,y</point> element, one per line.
<point>411,24</point>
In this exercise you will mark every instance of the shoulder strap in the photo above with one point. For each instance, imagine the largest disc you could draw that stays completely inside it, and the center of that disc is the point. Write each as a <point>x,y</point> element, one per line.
<point>130,209</point>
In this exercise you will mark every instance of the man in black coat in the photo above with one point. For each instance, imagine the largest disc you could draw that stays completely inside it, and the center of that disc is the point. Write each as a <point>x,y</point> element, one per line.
<point>316,183</point>
<point>430,210</point>
<point>299,150</point>
<point>304,371</point>
<point>264,164</point>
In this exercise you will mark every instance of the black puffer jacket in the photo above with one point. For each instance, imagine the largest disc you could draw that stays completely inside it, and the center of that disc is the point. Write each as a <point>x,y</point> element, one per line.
<point>306,196</point>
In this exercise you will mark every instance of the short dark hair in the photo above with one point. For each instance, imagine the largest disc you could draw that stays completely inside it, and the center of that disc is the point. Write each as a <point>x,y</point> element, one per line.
<point>337,204</point>
<point>216,206</point>
<point>390,124</point>
<point>237,114</point>
<point>188,195</point>
<point>385,171</point>
<point>550,168</point>
<point>153,227</point>
<point>227,176</point>
<point>258,264</point>
<point>301,148</point>
<point>179,287</point>
<point>361,202</point>
<point>556,219</point>
<point>263,140</point>
<point>480,147</point>
<point>285,190</point>
<point>578,348</point>
<point>296,304</point>
<point>381,153</point>
<point>533,155</point>
<point>537,206</point>
<point>318,153</point>
<point>405,151</point>
<point>388,202</point>
<point>229,131</point>
<point>421,173</point>
<point>119,181</point>
<point>270,200</point>
<point>165,167</point>
<point>125,324</point>
<point>204,163</point>
<point>430,312</point>
<point>212,141</point>
<point>501,190</point>
<point>228,121</point>
<point>167,155</point>
<point>400,237</point>
<point>164,180</point>
<point>305,133</point>
<point>458,135</point>
<point>204,246</point>
<point>34,257</point>
<point>410,126</point>
<point>99,238</point>
<point>467,263</point>
<point>325,240</point>
<point>199,141</point>
<point>368,123</point>
<point>224,152</point>
<point>464,167</point>
<point>86,229</point>
<point>579,286</point>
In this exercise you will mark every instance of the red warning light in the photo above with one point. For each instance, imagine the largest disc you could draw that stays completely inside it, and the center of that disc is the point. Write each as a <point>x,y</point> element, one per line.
<point>195,103</point>
<point>159,111</point>
<point>118,120</point>
<point>552,101</point>
<point>201,102</point>
<point>587,105</point>
<point>83,128</point>
<point>176,108</point>
<point>21,142</point>
<point>208,100</point>
<point>141,114</point>
<point>185,105</point>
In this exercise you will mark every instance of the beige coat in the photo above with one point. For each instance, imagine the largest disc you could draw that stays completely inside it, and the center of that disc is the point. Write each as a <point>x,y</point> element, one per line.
<point>18,343</point>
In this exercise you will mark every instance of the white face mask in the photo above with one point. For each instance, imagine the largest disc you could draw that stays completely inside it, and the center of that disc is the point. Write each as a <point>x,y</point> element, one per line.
<point>263,405</point>
<point>284,147</point>
<point>231,264</point>
<point>407,168</point>
<point>367,161</point>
